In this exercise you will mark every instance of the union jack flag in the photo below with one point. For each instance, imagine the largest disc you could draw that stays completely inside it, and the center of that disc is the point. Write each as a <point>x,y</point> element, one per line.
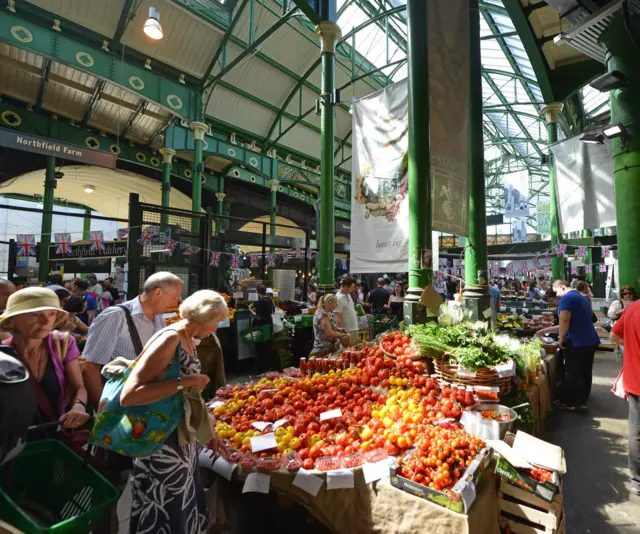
<point>519,272</point>
<point>603,268</point>
<point>587,269</point>
<point>574,269</point>
<point>524,266</point>
<point>343,264</point>
<point>214,260</point>
<point>546,271</point>
<point>561,249</point>
<point>496,271</point>
<point>26,244</point>
<point>96,238</point>
<point>235,261</point>
<point>285,256</point>
<point>582,252</point>
<point>309,253</point>
<point>122,233</point>
<point>547,258</point>
<point>171,247</point>
<point>536,263</point>
<point>605,251</point>
<point>271,260</point>
<point>298,253</point>
<point>439,277</point>
<point>63,244</point>
<point>145,237</point>
<point>254,260</point>
<point>191,251</point>
<point>510,269</point>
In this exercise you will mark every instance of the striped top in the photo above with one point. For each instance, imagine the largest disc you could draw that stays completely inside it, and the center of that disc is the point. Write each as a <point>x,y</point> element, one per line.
<point>109,337</point>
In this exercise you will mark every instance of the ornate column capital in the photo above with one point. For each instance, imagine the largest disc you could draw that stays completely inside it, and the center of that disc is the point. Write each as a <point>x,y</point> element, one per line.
<point>274,185</point>
<point>167,154</point>
<point>198,129</point>
<point>551,111</point>
<point>329,34</point>
<point>220,197</point>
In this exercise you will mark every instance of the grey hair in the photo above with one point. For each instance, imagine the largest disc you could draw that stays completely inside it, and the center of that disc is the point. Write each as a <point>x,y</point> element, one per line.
<point>204,306</point>
<point>162,280</point>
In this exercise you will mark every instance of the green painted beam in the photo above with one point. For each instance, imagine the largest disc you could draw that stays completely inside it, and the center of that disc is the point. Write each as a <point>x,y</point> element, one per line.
<point>44,82</point>
<point>20,32</point>
<point>126,15</point>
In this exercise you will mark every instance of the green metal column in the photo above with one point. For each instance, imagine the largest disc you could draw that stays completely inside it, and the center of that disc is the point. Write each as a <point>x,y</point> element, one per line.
<point>622,55</point>
<point>273,206</point>
<point>551,113</point>
<point>47,206</point>
<point>220,195</point>
<point>86,224</point>
<point>167,157</point>
<point>199,129</point>
<point>588,256</point>
<point>419,180</point>
<point>329,34</point>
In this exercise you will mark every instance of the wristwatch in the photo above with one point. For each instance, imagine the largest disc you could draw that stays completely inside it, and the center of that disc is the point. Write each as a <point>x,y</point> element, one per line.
<point>179,387</point>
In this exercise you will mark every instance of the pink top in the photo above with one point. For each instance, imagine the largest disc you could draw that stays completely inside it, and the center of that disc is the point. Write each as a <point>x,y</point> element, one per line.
<point>72,354</point>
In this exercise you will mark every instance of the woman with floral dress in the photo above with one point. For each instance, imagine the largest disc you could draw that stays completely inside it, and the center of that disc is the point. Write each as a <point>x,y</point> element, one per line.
<point>167,494</point>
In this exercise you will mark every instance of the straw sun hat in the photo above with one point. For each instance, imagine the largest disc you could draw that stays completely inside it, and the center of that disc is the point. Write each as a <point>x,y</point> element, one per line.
<point>30,300</point>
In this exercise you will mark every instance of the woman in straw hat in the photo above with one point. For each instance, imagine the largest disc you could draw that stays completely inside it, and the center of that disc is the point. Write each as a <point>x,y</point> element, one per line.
<point>50,356</point>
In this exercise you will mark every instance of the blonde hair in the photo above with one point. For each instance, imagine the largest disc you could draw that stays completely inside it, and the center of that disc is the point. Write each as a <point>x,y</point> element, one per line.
<point>327,299</point>
<point>204,306</point>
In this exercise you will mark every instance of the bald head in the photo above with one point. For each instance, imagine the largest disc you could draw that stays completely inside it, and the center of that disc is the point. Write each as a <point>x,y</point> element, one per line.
<point>380,282</point>
<point>6,290</point>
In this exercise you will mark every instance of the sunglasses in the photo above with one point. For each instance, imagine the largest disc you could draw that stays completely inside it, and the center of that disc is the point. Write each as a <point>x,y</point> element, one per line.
<point>625,294</point>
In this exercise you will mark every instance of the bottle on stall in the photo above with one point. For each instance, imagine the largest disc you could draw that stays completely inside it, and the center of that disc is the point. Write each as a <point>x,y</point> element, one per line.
<point>468,396</point>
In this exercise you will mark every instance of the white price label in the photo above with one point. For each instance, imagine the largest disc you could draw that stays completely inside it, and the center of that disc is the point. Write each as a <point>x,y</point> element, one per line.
<point>238,294</point>
<point>506,369</point>
<point>376,471</point>
<point>307,481</point>
<point>340,479</point>
<point>487,313</point>
<point>257,483</point>
<point>224,468</point>
<point>331,414</point>
<point>263,443</point>
<point>261,425</point>
<point>215,404</point>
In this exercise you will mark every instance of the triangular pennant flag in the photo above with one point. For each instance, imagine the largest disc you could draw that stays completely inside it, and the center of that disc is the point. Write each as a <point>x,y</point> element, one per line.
<point>343,264</point>
<point>170,247</point>
<point>298,253</point>
<point>603,268</point>
<point>254,261</point>
<point>587,269</point>
<point>122,233</point>
<point>191,251</point>
<point>145,237</point>
<point>285,256</point>
<point>63,244</point>
<point>214,259</point>
<point>26,245</point>
<point>574,269</point>
<point>271,260</point>
<point>582,252</point>
<point>235,261</point>
<point>560,250</point>
<point>605,251</point>
<point>309,253</point>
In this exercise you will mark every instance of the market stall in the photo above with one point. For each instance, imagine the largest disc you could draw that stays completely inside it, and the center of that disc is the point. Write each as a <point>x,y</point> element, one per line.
<point>364,436</point>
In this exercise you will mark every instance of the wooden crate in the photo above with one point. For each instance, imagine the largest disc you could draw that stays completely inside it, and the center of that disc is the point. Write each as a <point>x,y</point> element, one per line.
<point>525,513</point>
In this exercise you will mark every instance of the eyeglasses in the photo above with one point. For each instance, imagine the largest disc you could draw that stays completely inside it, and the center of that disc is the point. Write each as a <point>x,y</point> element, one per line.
<point>625,294</point>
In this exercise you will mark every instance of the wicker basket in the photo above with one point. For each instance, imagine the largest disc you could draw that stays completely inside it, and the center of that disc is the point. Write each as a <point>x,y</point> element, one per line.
<point>485,376</point>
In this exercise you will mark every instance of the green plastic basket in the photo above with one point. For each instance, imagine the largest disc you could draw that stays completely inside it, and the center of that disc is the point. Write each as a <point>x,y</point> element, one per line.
<point>382,324</point>
<point>48,488</point>
<point>256,334</point>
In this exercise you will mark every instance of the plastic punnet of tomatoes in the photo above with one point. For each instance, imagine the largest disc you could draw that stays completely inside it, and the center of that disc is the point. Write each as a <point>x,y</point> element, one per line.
<point>328,463</point>
<point>291,460</point>
<point>353,460</point>
<point>248,460</point>
<point>268,463</point>
<point>232,455</point>
<point>375,455</point>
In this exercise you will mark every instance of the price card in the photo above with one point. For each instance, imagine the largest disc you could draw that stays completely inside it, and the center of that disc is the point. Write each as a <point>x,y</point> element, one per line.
<point>375,471</point>
<point>298,318</point>
<point>331,414</point>
<point>279,423</point>
<point>238,294</point>
<point>205,458</point>
<point>506,369</point>
<point>224,468</point>
<point>275,294</point>
<point>253,297</point>
<point>468,494</point>
<point>261,425</point>
<point>305,311</point>
<point>307,481</point>
<point>215,404</point>
<point>487,313</point>
<point>340,479</point>
<point>463,371</point>
<point>256,483</point>
<point>262,443</point>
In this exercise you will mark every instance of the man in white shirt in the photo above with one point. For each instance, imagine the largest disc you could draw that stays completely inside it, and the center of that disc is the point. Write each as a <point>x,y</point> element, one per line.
<point>109,336</point>
<point>345,313</point>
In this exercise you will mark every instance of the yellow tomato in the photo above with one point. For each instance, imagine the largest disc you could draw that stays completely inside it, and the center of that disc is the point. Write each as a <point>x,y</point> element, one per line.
<point>295,443</point>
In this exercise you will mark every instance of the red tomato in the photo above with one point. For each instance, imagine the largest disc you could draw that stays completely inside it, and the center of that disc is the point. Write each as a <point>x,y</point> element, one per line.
<point>307,463</point>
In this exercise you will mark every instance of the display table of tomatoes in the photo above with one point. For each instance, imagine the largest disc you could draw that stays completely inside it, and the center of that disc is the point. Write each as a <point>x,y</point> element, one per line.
<point>380,414</point>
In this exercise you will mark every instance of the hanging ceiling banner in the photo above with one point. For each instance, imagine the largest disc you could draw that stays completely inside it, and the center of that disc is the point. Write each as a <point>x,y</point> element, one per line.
<point>544,218</point>
<point>584,185</point>
<point>518,231</point>
<point>379,209</point>
<point>516,194</point>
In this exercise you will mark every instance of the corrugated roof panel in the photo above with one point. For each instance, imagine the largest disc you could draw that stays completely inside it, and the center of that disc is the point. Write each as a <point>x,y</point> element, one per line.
<point>98,15</point>
<point>592,99</point>
<point>188,44</point>
<point>19,73</point>
<point>303,140</point>
<point>69,91</point>
<point>227,106</point>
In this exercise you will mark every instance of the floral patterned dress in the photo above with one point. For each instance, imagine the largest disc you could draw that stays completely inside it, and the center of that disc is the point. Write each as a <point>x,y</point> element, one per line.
<point>167,494</point>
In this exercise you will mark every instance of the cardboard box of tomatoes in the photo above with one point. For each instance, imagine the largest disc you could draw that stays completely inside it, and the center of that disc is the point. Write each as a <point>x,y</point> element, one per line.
<point>460,498</point>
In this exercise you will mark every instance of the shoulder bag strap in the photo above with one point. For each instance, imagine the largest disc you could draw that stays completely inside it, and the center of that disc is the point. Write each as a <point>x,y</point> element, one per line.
<point>61,350</point>
<point>133,331</point>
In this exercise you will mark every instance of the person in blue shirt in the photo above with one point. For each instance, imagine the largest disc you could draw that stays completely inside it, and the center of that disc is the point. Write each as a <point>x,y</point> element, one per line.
<point>80,288</point>
<point>495,296</point>
<point>579,339</point>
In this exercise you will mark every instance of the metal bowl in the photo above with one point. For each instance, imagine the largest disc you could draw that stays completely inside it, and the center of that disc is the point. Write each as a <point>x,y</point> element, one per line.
<point>504,426</point>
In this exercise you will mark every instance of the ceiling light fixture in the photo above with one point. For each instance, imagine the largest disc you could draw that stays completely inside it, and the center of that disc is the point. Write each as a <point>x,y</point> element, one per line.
<point>152,27</point>
<point>89,189</point>
<point>609,81</point>
<point>593,138</point>
<point>615,130</point>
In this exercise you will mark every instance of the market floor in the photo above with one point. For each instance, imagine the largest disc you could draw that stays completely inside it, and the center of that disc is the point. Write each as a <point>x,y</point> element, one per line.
<point>597,496</point>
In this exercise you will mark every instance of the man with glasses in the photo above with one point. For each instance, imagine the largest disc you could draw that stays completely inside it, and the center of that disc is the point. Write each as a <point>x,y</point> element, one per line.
<point>626,332</point>
<point>579,339</point>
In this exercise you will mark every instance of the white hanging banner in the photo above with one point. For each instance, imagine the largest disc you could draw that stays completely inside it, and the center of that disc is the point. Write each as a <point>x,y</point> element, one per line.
<point>516,194</point>
<point>584,185</point>
<point>379,209</point>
